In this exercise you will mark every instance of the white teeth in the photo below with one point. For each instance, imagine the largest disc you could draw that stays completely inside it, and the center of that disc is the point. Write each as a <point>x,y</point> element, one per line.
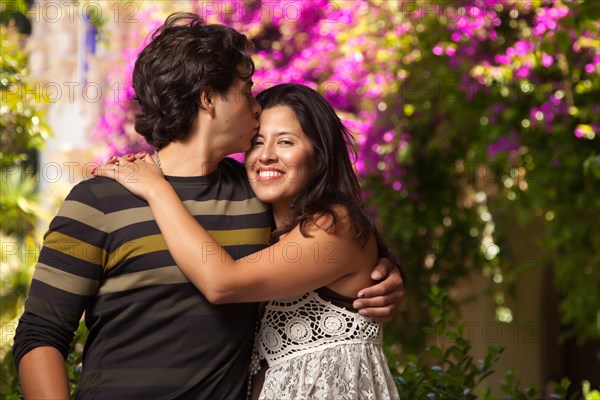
<point>269,174</point>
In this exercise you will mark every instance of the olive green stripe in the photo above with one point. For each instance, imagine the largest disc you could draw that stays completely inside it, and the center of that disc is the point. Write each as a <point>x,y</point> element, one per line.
<point>226,207</point>
<point>153,243</point>
<point>172,274</point>
<point>65,281</point>
<point>74,247</point>
<point>119,219</point>
<point>154,277</point>
<point>134,248</point>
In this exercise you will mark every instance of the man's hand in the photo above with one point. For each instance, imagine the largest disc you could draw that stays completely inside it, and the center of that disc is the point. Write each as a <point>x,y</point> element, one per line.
<point>379,302</point>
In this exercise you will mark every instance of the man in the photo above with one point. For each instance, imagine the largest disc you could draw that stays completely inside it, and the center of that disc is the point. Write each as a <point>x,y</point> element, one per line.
<point>152,334</point>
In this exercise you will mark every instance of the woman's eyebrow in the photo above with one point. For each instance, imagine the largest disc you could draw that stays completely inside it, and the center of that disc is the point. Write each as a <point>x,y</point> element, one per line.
<point>281,133</point>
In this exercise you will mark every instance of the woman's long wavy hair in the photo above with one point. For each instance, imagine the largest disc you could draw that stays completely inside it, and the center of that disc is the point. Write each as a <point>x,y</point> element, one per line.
<point>333,182</point>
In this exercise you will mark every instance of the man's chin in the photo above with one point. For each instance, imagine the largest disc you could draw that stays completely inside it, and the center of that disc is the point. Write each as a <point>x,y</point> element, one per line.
<point>243,149</point>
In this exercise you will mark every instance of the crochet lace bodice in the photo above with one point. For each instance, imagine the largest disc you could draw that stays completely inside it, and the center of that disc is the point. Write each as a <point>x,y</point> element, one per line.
<point>306,324</point>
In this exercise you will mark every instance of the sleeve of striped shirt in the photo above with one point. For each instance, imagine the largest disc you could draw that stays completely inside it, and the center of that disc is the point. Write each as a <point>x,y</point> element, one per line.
<point>66,276</point>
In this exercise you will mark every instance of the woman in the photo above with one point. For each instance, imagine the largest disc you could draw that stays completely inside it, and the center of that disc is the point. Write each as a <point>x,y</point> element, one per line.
<point>315,344</point>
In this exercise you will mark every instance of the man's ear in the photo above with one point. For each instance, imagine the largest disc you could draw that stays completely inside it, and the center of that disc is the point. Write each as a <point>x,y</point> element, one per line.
<point>207,100</point>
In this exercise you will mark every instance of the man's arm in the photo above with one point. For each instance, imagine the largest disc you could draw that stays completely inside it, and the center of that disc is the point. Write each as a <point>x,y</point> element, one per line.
<point>66,278</point>
<point>43,374</point>
<point>380,301</point>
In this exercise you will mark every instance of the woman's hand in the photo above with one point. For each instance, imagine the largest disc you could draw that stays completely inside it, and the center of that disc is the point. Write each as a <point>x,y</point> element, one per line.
<point>138,174</point>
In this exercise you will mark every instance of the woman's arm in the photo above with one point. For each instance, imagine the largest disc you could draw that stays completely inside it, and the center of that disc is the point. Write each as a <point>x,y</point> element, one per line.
<point>293,266</point>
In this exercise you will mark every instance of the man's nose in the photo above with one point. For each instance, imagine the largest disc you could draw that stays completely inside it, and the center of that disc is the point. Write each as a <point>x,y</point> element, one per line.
<point>256,108</point>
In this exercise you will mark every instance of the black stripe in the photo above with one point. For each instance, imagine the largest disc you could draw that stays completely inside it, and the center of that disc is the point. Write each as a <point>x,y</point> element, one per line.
<point>229,222</point>
<point>198,386</point>
<point>168,295</point>
<point>77,229</point>
<point>117,202</point>
<point>208,222</point>
<point>233,186</point>
<point>82,193</point>
<point>144,262</point>
<point>61,304</point>
<point>102,187</point>
<point>157,259</point>
<point>70,264</point>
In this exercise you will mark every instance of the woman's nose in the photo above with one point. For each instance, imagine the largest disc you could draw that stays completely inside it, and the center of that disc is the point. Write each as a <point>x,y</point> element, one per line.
<point>267,154</point>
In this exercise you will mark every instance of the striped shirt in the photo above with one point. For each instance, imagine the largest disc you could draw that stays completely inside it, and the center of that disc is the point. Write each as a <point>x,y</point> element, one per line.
<point>152,334</point>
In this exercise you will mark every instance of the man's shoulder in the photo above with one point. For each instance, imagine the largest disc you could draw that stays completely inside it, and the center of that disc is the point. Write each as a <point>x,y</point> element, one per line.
<point>95,191</point>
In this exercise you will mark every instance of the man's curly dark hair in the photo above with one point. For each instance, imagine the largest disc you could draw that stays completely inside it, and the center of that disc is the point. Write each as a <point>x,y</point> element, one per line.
<point>185,58</point>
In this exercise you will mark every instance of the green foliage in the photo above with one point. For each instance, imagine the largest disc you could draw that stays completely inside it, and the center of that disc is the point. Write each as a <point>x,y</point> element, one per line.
<point>590,394</point>
<point>18,257</point>
<point>9,384</point>
<point>75,357</point>
<point>474,119</point>
<point>21,113</point>
<point>18,260</point>
<point>446,370</point>
<point>23,133</point>
<point>444,373</point>
<point>503,152</point>
<point>19,201</point>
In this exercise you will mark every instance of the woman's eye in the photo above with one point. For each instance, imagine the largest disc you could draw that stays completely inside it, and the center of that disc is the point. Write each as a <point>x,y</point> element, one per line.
<point>285,142</point>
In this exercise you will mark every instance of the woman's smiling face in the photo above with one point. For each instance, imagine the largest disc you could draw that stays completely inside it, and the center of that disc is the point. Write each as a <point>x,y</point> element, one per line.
<point>279,162</point>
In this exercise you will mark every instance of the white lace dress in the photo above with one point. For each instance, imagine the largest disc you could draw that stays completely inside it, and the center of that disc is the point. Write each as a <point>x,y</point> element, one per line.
<point>317,350</point>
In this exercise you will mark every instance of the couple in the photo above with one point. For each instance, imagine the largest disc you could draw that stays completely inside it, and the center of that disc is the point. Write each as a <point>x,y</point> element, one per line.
<point>151,333</point>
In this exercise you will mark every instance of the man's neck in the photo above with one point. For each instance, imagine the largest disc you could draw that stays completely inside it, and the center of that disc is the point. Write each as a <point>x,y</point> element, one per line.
<point>187,159</point>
